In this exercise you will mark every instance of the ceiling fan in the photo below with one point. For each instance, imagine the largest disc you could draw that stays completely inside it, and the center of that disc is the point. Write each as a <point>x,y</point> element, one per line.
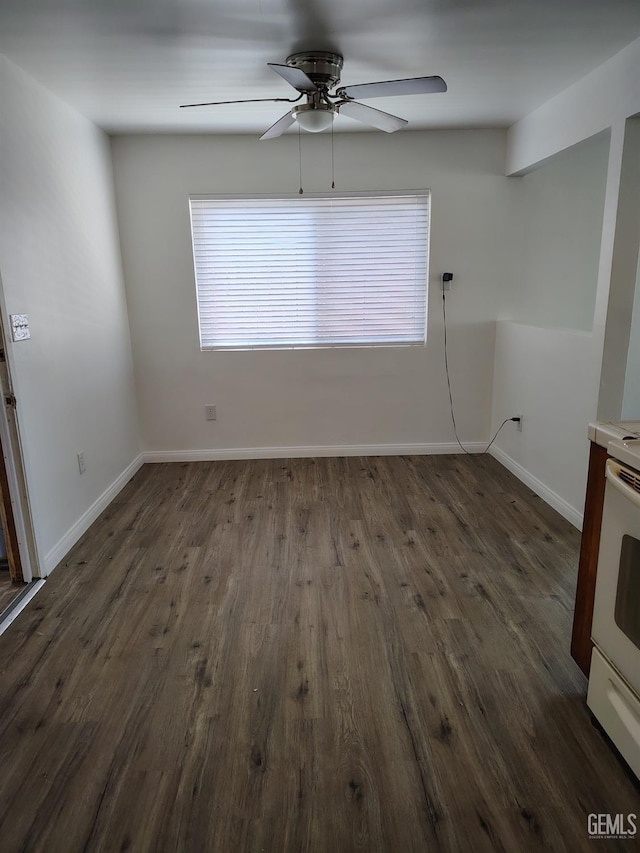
<point>313,74</point>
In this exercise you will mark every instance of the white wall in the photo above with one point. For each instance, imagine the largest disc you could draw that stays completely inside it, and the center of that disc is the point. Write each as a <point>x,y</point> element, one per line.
<point>60,264</point>
<point>547,375</point>
<point>619,378</point>
<point>631,401</point>
<point>547,358</point>
<point>557,227</point>
<point>388,398</point>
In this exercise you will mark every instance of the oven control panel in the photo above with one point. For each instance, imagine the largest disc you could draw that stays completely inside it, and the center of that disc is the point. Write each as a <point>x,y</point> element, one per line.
<point>626,451</point>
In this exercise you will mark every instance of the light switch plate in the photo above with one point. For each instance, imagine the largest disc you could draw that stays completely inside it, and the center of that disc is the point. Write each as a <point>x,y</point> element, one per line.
<point>19,327</point>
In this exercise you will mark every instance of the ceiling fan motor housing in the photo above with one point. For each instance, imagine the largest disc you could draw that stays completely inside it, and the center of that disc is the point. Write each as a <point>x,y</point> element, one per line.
<point>322,67</point>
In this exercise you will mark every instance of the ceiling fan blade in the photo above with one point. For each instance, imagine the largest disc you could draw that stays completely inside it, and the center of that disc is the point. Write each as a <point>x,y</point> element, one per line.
<point>243,101</point>
<point>371,116</point>
<point>295,77</point>
<point>279,127</point>
<point>412,86</point>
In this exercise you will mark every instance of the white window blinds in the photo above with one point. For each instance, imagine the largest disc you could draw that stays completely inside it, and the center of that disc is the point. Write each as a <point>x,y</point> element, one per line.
<point>311,271</point>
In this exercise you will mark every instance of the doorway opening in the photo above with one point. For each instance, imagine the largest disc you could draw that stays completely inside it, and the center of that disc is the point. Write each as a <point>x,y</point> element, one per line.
<point>18,555</point>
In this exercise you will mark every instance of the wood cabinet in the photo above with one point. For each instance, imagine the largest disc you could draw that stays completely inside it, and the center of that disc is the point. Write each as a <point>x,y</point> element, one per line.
<point>587,568</point>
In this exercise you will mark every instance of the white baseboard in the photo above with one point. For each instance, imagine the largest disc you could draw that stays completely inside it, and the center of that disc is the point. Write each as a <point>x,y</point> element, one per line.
<point>559,504</point>
<point>58,552</point>
<point>298,452</point>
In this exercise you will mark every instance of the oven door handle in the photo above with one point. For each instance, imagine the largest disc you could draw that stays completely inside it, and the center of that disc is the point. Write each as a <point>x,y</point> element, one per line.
<point>625,480</point>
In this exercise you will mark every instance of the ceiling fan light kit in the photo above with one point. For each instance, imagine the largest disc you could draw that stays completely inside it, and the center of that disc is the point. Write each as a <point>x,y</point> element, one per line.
<point>314,73</point>
<point>314,118</point>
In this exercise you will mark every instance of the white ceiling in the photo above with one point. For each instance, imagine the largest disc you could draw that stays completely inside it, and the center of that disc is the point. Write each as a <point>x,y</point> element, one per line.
<point>128,64</point>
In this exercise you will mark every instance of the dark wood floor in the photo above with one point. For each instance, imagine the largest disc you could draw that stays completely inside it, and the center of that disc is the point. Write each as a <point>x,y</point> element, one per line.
<point>332,655</point>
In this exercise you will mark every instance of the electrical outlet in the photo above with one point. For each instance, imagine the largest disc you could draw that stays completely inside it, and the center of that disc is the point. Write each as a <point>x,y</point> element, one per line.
<point>520,423</point>
<point>210,412</point>
<point>81,463</point>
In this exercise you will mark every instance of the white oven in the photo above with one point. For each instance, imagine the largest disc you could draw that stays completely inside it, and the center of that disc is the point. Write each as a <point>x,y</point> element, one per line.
<point>614,680</point>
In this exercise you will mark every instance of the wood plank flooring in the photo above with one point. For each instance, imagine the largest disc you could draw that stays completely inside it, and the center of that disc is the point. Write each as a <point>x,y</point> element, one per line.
<point>307,655</point>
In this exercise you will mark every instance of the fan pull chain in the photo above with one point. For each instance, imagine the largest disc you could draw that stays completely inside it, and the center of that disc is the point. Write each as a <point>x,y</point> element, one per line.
<point>300,191</point>
<point>333,172</point>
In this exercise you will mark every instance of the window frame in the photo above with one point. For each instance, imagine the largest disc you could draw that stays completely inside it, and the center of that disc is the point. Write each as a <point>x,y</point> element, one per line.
<point>424,193</point>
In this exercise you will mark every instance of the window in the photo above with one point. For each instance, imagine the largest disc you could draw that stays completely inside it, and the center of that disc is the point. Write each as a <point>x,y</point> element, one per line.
<point>311,271</point>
